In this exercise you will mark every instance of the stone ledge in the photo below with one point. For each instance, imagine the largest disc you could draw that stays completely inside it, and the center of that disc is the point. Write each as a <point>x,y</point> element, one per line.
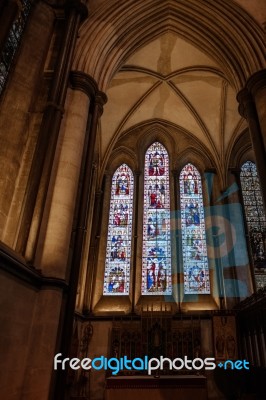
<point>15,265</point>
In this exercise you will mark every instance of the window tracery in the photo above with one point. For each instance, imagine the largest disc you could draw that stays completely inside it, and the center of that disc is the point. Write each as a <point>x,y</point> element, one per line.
<point>118,252</point>
<point>156,252</point>
<point>194,247</point>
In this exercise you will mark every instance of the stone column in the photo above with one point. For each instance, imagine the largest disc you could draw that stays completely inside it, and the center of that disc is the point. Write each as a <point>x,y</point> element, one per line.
<point>17,103</point>
<point>252,107</point>
<point>86,274</point>
<point>256,85</point>
<point>55,231</point>
<point>93,251</point>
<point>80,223</point>
<point>42,163</point>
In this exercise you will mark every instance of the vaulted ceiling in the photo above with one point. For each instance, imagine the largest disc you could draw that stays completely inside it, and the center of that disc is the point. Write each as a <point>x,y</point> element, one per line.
<point>171,80</point>
<point>183,70</point>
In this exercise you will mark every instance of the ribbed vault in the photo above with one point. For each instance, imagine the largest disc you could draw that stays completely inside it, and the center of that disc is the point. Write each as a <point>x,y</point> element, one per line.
<point>220,28</point>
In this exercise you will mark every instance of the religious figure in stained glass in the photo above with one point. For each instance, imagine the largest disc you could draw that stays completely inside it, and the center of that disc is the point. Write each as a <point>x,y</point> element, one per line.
<point>256,220</point>
<point>194,248</point>
<point>122,183</point>
<point>118,252</point>
<point>156,256</point>
<point>156,163</point>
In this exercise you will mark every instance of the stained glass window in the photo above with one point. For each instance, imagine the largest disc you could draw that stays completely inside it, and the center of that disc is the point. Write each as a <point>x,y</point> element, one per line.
<point>194,247</point>
<point>13,41</point>
<point>255,218</point>
<point>156,255</point>
<point>118,252</point>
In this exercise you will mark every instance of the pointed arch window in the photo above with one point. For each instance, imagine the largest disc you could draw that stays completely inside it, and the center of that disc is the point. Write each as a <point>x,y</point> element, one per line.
<point>255,218</point>
<point>118,252</point>
<point>194,247</point>
<point>156,252</point>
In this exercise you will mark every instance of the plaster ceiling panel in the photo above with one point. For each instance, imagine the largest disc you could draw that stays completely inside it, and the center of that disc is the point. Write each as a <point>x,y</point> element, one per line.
<point>164,104</point>
<point>125,90</point>
<point>169,53</point>
<point>204,94</point>
<point>232,116</point>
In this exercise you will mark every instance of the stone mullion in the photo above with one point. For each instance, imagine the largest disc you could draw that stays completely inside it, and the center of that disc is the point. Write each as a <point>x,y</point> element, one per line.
<point>39,177</point>
<point>178,235</point>
<point>135,241</point>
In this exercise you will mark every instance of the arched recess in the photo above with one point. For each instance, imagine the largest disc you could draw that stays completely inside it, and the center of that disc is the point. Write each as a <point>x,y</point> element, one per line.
<point>222,29</point>
<point>121,154</point>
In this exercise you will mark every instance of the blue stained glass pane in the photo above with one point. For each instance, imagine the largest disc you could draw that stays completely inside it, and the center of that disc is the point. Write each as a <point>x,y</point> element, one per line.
<point>156,255</point>
<point>194,248</point>
<point>118,252</point>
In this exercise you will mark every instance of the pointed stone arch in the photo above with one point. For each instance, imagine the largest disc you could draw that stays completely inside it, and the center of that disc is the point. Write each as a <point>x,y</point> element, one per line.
<point>222,29</point>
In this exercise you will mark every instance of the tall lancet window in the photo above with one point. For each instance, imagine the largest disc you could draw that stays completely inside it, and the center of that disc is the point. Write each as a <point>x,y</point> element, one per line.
<point>255,217</point>
<point>156,254</point>
<point>194,247</point>
<point>118,252</point>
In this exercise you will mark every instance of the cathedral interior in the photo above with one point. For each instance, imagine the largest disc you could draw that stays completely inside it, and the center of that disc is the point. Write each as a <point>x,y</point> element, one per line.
<point>133,196</point>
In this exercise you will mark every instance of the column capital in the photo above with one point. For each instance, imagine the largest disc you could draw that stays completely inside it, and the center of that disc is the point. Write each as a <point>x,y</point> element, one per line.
<point>99,101</point>
<point>256,82</point>
<point>245,100</point>
<point>84,82</point>
<point>81,81</point>
<point>247,95</point>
